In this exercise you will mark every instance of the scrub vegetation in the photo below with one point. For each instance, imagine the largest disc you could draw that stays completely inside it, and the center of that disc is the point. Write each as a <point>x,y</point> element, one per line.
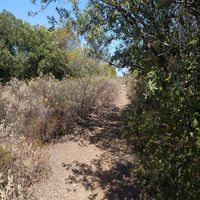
<point>49,81</point>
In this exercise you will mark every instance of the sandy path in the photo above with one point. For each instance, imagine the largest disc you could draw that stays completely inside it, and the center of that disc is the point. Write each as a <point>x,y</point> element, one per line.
<point>58,185</point>
<point>94,164</point>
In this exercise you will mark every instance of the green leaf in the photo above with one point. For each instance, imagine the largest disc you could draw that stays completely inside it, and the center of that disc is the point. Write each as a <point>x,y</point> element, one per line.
<point>193,42</point>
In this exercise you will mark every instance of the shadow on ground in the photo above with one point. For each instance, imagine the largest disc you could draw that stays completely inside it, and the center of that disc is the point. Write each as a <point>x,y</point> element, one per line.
<point>116,180</point>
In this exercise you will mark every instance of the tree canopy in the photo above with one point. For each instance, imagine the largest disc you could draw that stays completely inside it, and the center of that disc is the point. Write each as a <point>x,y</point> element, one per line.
<point>30,51</point>
<point>27,51</point>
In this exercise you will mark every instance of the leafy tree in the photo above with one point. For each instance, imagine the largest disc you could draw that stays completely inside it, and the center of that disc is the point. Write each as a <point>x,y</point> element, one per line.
<point>28,51</point>
<point>159,39</point>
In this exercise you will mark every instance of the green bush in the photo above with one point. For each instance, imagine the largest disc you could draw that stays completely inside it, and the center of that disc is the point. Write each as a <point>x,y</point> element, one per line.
<point>163,126</point>
<point>28,51</point>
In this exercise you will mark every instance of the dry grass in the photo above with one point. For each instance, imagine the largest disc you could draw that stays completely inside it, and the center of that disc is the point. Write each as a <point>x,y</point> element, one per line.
<point>38,111</point>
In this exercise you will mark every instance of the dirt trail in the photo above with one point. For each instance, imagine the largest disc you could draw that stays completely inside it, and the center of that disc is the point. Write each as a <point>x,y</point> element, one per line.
<point>92,163</point>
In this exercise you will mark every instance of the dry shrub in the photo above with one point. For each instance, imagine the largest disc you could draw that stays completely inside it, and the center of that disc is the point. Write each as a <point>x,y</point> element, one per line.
<point>15,174</point>
<point>5,158</point>
<point>40,110</point>
<point>43,108</point>
<point>10,189</point>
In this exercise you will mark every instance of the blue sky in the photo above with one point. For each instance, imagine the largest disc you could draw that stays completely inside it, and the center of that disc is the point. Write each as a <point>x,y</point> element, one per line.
<point>20,9</point>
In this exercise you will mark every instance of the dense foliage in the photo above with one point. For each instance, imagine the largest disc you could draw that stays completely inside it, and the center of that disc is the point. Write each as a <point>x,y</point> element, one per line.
<point>28,51</point>
<point>160,40</point>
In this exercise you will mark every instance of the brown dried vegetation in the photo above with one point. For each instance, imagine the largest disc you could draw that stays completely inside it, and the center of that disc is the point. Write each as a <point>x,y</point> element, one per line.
<point>39,111</point>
